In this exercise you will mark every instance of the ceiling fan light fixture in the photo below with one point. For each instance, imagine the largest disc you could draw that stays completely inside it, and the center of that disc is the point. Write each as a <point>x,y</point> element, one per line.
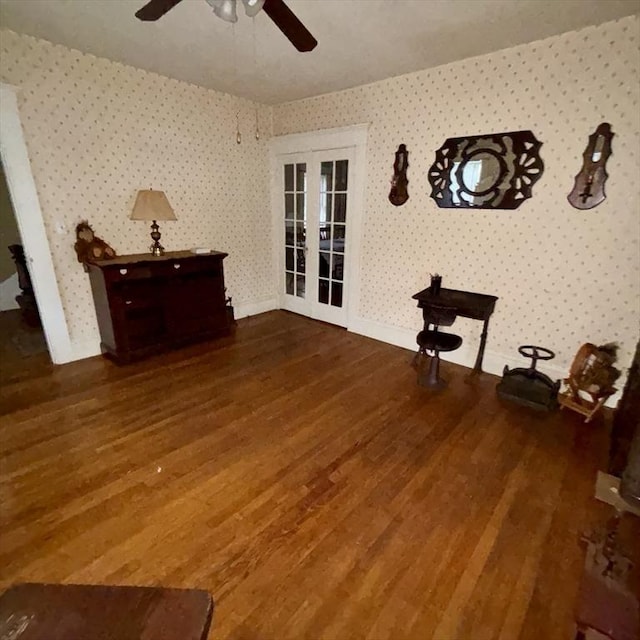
<point>224,9</point>
<point>277,11</point>
<point>252,7</point>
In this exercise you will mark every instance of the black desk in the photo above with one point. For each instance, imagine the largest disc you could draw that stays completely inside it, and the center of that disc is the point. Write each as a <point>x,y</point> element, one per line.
<point>477,306</point>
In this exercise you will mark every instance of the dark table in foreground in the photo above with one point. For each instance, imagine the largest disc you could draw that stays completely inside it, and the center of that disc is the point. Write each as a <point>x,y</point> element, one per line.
<point>477,306</point>
<point>82,612</point>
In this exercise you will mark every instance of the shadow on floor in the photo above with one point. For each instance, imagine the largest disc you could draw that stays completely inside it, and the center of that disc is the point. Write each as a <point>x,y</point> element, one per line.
<point>23,348</point>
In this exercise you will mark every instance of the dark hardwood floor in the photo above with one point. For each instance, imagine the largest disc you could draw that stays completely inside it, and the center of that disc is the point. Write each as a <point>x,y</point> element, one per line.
<point>23,348</point>
<point>298,473</point>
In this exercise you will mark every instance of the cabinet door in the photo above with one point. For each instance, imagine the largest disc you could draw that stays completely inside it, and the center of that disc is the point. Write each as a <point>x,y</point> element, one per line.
<point>195,304</point>
<point>138,306</point>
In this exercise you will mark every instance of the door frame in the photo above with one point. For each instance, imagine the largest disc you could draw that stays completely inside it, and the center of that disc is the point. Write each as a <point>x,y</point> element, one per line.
<point>28,214</point>
<point>355,138</point>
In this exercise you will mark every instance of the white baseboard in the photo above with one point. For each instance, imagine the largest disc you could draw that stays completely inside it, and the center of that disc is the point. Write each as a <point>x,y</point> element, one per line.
<point>90,348</point>
<point>245,309</point>
<point>85,349</point>
<point>493,361</point>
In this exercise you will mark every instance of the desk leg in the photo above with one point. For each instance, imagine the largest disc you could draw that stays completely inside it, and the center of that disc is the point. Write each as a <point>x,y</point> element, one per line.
<point>477,367</point>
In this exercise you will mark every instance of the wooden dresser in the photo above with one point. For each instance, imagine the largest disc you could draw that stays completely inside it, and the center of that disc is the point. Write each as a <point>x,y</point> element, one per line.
<point>148,304</point>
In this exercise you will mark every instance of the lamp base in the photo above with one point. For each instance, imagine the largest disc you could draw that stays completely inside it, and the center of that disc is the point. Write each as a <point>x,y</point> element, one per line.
<point>156,248</point>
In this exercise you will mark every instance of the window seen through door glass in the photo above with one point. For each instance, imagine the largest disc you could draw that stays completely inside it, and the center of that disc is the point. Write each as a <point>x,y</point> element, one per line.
<point>332,231</point>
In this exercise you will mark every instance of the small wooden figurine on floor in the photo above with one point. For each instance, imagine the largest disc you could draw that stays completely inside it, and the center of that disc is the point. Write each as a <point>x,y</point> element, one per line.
<point>591,379</point>
<point>90,248</point>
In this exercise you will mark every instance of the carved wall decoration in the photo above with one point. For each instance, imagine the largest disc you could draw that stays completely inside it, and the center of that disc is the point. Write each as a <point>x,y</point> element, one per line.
<point>494,171</point>
<point>588,189</point>
<point>399,194</point>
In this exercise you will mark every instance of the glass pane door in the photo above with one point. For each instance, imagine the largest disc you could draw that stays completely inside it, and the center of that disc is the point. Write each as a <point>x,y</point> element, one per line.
<point>295,220</point>
<point>315,253</point>
<point>332,231</point>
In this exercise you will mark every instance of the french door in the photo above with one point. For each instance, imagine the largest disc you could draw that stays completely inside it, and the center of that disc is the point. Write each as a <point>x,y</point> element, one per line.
<point>317,194</point>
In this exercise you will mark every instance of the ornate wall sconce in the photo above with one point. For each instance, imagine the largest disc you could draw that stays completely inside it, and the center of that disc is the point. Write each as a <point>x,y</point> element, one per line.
<point>588,189</point>
<point>399,194</point>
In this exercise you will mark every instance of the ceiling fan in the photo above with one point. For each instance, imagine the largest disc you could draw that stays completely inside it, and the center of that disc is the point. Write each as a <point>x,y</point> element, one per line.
<point>277,10</point>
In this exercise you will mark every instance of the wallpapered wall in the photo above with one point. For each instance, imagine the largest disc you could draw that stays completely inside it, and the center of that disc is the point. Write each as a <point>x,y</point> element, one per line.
<point>563,276</point>
<point>97,131</point>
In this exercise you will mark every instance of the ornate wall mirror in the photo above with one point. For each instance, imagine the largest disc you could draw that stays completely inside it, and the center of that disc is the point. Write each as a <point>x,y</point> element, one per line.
<point>494,171</point>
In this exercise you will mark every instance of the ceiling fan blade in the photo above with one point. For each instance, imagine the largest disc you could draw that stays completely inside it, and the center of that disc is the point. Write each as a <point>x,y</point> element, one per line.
<point>155,9</point>
<point>289,24</point>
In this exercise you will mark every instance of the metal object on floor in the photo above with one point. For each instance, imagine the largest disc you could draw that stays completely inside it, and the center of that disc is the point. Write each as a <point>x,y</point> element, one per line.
<point>527,386</point>
<point>606,602</point>
<point>608,491</point>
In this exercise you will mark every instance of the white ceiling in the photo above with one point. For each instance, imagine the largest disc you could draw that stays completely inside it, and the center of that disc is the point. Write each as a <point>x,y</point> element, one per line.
<point>360,41</point>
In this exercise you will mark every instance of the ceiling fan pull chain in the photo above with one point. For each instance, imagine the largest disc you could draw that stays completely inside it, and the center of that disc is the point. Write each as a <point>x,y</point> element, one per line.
<point>255,68</point>
<point>235,71</point>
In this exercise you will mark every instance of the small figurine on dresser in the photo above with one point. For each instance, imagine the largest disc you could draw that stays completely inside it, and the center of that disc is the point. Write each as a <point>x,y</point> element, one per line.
<point>90,248</point>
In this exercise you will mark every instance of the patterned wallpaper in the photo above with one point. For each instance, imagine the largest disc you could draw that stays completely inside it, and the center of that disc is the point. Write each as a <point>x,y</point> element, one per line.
<point>563,276</point>
<point>97,131</point>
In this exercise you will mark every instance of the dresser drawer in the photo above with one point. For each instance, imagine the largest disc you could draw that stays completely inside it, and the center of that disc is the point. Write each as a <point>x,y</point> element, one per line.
<point>198,265</point>
<point>131,272</point>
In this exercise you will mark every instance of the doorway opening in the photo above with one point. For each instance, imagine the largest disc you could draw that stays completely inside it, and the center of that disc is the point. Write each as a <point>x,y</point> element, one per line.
<point>318,183</point>
<point>25,203</point>
<point>22,341</point>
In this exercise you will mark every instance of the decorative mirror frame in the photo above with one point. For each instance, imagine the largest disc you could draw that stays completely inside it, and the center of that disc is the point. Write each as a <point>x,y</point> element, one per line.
<point>519,161</point>
<point>588,187</point>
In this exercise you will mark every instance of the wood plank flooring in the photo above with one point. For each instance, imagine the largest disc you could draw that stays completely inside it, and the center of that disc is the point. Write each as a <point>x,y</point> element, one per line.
<point>23,349</point>
<point>298,473</point>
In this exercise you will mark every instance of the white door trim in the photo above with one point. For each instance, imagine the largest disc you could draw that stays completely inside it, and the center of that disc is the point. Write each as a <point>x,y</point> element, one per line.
<point>26,206</point>
<point>354,136</point>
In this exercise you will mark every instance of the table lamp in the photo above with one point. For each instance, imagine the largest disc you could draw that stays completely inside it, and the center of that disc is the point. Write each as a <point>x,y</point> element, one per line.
<point>154,206</point>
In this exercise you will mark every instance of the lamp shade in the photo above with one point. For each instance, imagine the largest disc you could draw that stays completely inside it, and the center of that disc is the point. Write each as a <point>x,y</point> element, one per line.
<point>152,205</point>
